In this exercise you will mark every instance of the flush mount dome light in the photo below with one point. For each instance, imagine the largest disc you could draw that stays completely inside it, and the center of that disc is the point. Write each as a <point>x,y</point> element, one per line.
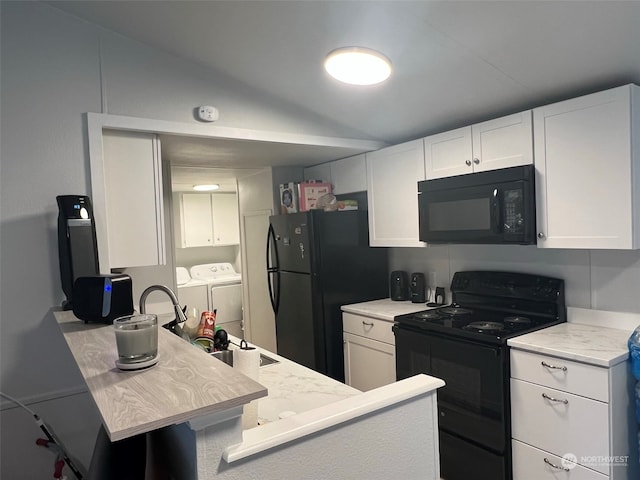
<point>357,66</point>
<point>206,188</point>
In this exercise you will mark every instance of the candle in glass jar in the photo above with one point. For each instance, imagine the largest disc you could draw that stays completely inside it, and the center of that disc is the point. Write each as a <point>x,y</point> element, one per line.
<point>136,338</point>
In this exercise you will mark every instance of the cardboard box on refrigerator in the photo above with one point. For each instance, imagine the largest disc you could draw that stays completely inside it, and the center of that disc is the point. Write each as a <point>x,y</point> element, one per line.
<point>288,198</point>
<point>310,191</point>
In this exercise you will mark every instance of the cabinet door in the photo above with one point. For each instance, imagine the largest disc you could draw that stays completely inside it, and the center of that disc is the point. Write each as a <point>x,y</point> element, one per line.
<point>133,190</point>
<point>448,153</point>
<point>349,175</point>
<point>226,230</point>
<point>503,142</point>
<point>318,172</point>
<point>586,171</point>
<point>368,364</point>
<point>197,223</point>
<point>392,191</point>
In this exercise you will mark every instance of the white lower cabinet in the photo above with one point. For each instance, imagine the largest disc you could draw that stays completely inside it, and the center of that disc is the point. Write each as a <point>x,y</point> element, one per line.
<point>369,352</point>
<point>561,410</point>
<point>530,463</point>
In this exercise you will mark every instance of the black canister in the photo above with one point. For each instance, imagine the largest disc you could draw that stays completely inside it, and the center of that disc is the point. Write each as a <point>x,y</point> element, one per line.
<point>399,285</point>
<point>418,287</point>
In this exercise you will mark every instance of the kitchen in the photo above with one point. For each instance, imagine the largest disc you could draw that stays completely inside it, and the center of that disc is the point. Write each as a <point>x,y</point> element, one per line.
<point>597,279</point>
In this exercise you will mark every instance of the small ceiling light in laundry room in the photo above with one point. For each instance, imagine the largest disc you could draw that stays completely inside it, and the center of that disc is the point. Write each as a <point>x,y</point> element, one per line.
<point>206,188</point>
<point>358,66</point>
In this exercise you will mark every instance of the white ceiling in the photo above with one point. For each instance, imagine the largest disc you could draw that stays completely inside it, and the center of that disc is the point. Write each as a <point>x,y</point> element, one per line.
<point>454,62</point>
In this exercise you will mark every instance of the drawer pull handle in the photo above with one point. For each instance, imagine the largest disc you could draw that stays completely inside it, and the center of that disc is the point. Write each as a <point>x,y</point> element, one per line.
<point>551,399</point>
<point>545,364</point>
<point>557,467</point>
<point>366,324</point>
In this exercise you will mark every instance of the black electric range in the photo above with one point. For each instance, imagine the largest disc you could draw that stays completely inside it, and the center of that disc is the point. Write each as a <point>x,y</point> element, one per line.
<point>465,344</point>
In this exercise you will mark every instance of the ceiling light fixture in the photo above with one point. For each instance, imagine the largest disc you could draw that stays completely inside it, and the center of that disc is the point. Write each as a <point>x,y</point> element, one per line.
<point>206,188</point>
<point>357,66</point>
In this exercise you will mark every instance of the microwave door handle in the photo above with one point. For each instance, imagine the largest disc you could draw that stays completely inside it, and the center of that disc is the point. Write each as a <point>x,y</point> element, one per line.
<point>496,203</point>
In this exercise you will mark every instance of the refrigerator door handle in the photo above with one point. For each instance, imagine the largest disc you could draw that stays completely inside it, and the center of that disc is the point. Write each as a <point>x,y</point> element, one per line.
<point>274,287</point>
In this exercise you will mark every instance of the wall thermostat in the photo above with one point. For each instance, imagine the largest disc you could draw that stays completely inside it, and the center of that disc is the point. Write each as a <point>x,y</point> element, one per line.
<point>208,114</point>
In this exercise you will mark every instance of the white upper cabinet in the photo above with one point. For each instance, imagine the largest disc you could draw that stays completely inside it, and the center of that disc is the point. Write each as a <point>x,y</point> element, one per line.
<point>392,192</point>
<point>318,172</point>
<point>588,171</point>
<point>196,220</point>
<point>226,227</point>
<point>498,143</point>
<point>347,175</point>
<point>131,174</point>
<point>207,219</point>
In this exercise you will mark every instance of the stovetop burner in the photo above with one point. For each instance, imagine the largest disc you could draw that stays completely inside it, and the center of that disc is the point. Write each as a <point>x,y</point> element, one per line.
<point>455,310</point>
<point>517,320</point>
<point>485,326</point>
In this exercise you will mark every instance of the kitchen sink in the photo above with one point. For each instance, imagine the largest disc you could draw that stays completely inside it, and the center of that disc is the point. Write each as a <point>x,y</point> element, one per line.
<point>227,357</point>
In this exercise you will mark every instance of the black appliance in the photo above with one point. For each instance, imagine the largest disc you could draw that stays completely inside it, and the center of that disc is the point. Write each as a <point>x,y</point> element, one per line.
<point>465,344</point>
<point>418,288</point>
<point>77,245</point>
<point>496,206</point>
<point>102,298</point>
<point>316,262</point>
<point>399,286</point>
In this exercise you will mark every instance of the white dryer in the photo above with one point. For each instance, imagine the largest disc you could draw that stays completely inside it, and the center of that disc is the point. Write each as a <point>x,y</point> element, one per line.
<point>225,294</point>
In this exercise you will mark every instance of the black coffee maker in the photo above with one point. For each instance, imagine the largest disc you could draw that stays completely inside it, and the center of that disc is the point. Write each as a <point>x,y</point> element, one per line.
<point>399,285</point>
<point>418,288</point>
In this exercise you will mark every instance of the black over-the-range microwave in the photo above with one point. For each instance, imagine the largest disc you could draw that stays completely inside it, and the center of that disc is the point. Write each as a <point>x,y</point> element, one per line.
<point>496,206</point>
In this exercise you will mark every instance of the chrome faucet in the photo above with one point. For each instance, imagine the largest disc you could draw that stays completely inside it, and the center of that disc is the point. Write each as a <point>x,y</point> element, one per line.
<point>180,316</point>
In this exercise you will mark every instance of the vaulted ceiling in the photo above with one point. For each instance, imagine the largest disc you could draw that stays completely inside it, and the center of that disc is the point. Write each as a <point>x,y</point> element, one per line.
<point>454,62</point>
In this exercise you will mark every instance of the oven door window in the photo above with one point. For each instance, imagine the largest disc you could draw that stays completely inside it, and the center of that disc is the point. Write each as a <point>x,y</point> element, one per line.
<point>472,403</point>
<point>473,376</point>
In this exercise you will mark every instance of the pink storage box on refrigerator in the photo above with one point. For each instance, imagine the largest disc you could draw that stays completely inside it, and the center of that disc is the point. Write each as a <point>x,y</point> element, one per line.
<point>310,191</point>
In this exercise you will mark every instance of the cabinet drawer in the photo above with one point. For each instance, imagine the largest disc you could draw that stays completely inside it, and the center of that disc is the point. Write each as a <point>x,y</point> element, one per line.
<point>580,426</point>
<point>368,327</point>
<point>529,464</point>
<point>574,377</point>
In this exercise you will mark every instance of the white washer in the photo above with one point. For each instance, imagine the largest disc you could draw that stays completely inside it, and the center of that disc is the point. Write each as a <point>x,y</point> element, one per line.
<point>225,294</point>
<point>192,293</point>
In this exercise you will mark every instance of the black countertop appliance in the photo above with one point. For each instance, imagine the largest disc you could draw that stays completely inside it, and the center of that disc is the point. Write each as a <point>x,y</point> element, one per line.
<point>316,262</point>
<point>399,286</point>
<point>77,245</point>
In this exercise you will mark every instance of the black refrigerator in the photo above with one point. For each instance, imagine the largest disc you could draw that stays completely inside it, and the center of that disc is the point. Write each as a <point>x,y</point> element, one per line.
<point>316,262</point>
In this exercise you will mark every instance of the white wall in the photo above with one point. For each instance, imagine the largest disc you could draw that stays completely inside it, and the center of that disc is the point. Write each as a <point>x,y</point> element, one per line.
<point>54,69</point>
<point>596,279</point>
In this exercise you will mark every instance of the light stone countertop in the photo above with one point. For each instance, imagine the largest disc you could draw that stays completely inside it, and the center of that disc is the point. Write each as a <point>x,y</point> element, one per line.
<point>293,388</point>
<point>384,309</point>
<point>594,342</point>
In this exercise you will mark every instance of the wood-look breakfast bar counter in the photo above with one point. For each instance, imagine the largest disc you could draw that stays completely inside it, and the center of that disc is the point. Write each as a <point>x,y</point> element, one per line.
<point>185,384</point>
